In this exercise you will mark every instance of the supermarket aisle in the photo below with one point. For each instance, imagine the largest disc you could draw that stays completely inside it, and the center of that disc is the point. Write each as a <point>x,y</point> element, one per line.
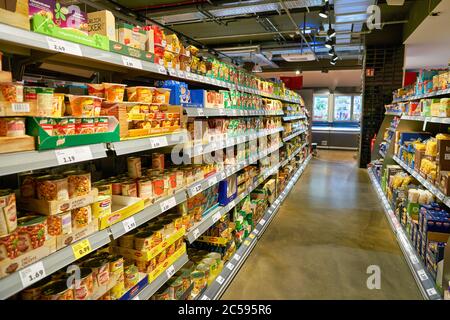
<point>329,230</point>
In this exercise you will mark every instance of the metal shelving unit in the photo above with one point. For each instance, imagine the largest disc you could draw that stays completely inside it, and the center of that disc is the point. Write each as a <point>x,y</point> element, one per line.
<point>231,268</point>
<point>423,96</point>
<point>291,118</point>
<point>221,112</point>
<point>294,154</point>
<point>423,279</point>
<point>293,135</point>
<point>427,119</point>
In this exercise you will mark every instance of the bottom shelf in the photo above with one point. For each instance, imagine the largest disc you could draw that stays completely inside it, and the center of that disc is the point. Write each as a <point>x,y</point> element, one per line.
<point>231,268</point>
<point>423,279</point>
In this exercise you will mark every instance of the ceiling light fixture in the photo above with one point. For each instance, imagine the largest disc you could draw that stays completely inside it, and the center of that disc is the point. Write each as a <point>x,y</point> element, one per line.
<point>331,32</point>
<point>331,52</point>
<point>334,58</point>
<point>333,63</point>
<point>329,43</point>
<point>297,72</point>
<point>324,11</point>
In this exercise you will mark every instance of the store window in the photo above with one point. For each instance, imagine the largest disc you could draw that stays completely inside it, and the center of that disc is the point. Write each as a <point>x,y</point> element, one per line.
<point>342,108</point>
<point>320,112</point>
<point>357,107</point>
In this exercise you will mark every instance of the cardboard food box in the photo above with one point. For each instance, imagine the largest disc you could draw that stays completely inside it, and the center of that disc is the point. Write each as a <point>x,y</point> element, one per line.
<point>15,13</point>
<point>208,99</point>
<point>122,208</point>
<point>16,144</point>
<point>45,141</point>
<point>166,264</point>
<point>102,22</point>
<point>444,182</point>
<point>443,158</point>
<point>148,255</point>
<point>76,234</point>
<point>132,292</point>
<point>150,41</point>
<point>418,156</point>
<point>18,109</point>
<point>131,36</point>
<point>8,266</point>
<point>123,49</point>
<point>57,206</point>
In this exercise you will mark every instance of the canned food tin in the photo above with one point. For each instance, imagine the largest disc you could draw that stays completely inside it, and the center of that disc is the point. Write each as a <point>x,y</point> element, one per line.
<point>84,288</point>
<point>158,161</point>
<point>52,187</point>
<point>158,184</point>
<point>162,294</point>
<point>116,186</point>
<point>134,167</point>
<point>81,217</point>
<point>127,240</point>
<point>129,189</point>
<point>200,280</point>
<point>34,291</point>
<point>9,248</point>
<point>8,212</point>
<point>176,288</point>
<point>100,271</point>
<point>115,264</point>
<point>32,232</point>
<point>131,275</point>
<point>145,189</point>
<point>59,224</point>
<point>57,290</point>
<point>79,183</point>
<point>27,183</point>
<point>104,188</point>
<point>143,241</point>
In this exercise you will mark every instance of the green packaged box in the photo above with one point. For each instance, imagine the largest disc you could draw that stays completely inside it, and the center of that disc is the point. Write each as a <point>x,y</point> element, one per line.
<point>44,25</point>
<point>125,50</point>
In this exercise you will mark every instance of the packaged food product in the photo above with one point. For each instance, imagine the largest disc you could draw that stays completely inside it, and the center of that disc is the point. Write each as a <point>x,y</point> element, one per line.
<point>163,294</point>
<point>106,296</point>
<point>104,188</point>
<point>48,125</point>
<point>145,189</point>
<point>34,291</point>
<point>100,271</point>
<point>57,290</point>
<point>11,91</point>
<point>32,232</point>
<point>102,206</point>
<point>85,125</point>
<point>131,274</point>
<point>59,106</point>
<point>59,224</point>
<point>79,183</point>
<point>158,161</point>
<point>176,289</point>
<point>81,217</point>
<point>118,290</point>
<point>12,127</point>
<point>129,188</point>
<point>27,184</point>
<point>96,89</point>
<point>9,247</point>
<point>161,257</point>
<point>64,126</point>
<point>116,187</point>
<point>8,213</point>
<point>157,234</point>
<point>101,125</point>
<point>158,185</point>
<point>84,287</point>
<point>200,280</point>
<point>143,241</point>
<point>114,92</point>
<point>161,95</point>
<point>43,98</point>
<point>127,240</point>
<point>52,187</point>
<point>140,94</point>
<point>84,106</point>
<point>115,264</point>
<point>134,167</point>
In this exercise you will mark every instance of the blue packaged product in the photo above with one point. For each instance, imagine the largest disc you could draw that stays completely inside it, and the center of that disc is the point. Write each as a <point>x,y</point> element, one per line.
<point>179,92</point>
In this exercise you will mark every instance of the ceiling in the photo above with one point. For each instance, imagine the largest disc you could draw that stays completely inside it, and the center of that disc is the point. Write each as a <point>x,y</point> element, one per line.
<point>422,49</point>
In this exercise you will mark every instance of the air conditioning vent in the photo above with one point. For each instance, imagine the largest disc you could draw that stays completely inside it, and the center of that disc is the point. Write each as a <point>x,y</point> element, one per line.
<point>298,57</point>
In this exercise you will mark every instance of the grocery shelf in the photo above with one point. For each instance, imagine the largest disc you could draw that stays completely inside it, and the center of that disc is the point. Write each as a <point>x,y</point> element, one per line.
<point>423,279</point>
<point>291,118</point>
<point>119,229</point>
<point>433,189</point>
<point>221,112</point>
<point>187,294</point>
<point>398,114</point>
<point>143,144</point>
<point>50,264</point>
<point>217,288</point>
<point>294,154</point>
<point>152,287</point>
<point>293,135</point>
<point>32,160</point>
<point>426,95</point>
<point>426,119</point>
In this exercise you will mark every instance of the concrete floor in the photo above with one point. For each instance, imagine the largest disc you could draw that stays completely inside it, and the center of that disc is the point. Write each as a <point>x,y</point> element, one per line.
<point>329,230</point>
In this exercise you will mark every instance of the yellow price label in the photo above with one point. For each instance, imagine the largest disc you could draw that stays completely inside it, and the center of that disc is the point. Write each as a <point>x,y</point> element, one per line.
<point>82,248</point>
<point>251,236</point>
<point>246,242</point>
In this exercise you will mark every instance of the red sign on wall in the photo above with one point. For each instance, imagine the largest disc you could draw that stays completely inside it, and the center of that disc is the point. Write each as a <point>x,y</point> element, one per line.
<point>293,83</point>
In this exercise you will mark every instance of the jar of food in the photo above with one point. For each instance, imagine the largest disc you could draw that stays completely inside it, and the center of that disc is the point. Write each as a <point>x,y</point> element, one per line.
<point>32,231</point>
<point>142,241</point>
<point>100,271</point>
<point>145,189</point>
<point>84,106</point>
<point>12,127</point>
<point>199,279</point>
<point>52,187</point>
<point>11,91</point>
<point>104,187</point>
<point>131,275</point>
<point>57,290</point>
<point>114,92</point>
<point>127,240</point>
<point>81,217</point>
<point>140,94</point>
<point>101,207</point>
<point>129,188</point>
<point>84,287</point>
<point>59,224</point>
<point>175,288</point>
<point>9,248</point>
<point>96,89</point>
<point>79,183</point>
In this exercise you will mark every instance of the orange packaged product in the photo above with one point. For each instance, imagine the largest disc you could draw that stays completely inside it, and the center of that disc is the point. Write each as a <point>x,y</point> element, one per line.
<point>161,96</point>
<point>114,92</point>
<point>96,89</point>
<point>84,106</point>
<point>140,94</point>
<point>11,91</point>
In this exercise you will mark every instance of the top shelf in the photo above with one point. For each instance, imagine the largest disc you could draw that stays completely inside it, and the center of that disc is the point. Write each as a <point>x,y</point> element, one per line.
<point>422,96</point>
<point>96,59</point>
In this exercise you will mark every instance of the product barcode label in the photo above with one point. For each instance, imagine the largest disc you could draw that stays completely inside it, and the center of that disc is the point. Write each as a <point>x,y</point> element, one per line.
<point>71,155</point>
<point>422,275</point>
<point>167,204</point>
<point>20,107</point>
<point>220,280</point>
<point>64,46</point>
<point>196,189</point>
<point>82,248</point>
<point>32,274</point>
<point>196,233</point>
<point>158,142</point>
<point>237,257</point>
<point>170,271</point>
<point>216,217</point>
<point>230,266</point>
<point>132,62</point>
<point>129,224</point>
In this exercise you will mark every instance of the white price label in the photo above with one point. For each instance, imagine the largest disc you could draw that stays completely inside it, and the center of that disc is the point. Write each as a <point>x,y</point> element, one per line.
<point>188,75</point>
<point>205,298</point>
<point>32,274</point>
<point>64,46</point>
<point>20,107</point>
<point>256,232</point>
<point>431,292</point>
<point>230,206</point>
<point>132,62</point>
<point>158,142</point>
<point>422,275</point>
<point>222,112</point>
<point>196,233</point>
<point>162,70</point>
<point>136,298</point>
<point>170,271</point>
<point>212,181</point>
<point>200,112</point>
<point>196,189</point>
<point>181,74</point>
<point>71,155</point>
<point>230,266</point>
<point>262,221</point>
<point>172,72</point>
<point>216,217</point>
<point>129,224</point>
<point>220,280</point>
<point>167,204</point>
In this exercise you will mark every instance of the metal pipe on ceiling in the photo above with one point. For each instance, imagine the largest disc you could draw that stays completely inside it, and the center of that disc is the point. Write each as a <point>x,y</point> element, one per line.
<point>286,9</point>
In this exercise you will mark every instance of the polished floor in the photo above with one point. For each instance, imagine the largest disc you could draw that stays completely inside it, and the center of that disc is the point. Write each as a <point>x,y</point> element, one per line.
<point>328,232</point>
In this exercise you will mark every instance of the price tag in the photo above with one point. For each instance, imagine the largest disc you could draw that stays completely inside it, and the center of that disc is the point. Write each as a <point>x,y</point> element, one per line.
<point>129,224</point>
<point>32,274</point>
<point>212,181</point>
<point>132,62</point>
<point>200,112</point>
<point>158,142</point>
<point>246,243</point>
<point>230,266</point>
<point>181,74</point>
<point>136,298</point>
<point>237,257</point>
<point>20,107</point>
<point>422,275</point>
<point>81,248</point>
<point>256,232</point>
<point>196,233</point>
<point>196,189</point>
<point>172,72</point>
<point>262,221</point>
<point>230,206</point>
<point>431,291</point>
<point>162,70</point>
<point>251,236</point>
<point>71,155</point>
<point>205,298</point>
<point>64,46</point>
<point>222,112</point>
<point>220,280</point>
<point>167,204</point>
<point>216,217</point>
<point>170,271</point>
